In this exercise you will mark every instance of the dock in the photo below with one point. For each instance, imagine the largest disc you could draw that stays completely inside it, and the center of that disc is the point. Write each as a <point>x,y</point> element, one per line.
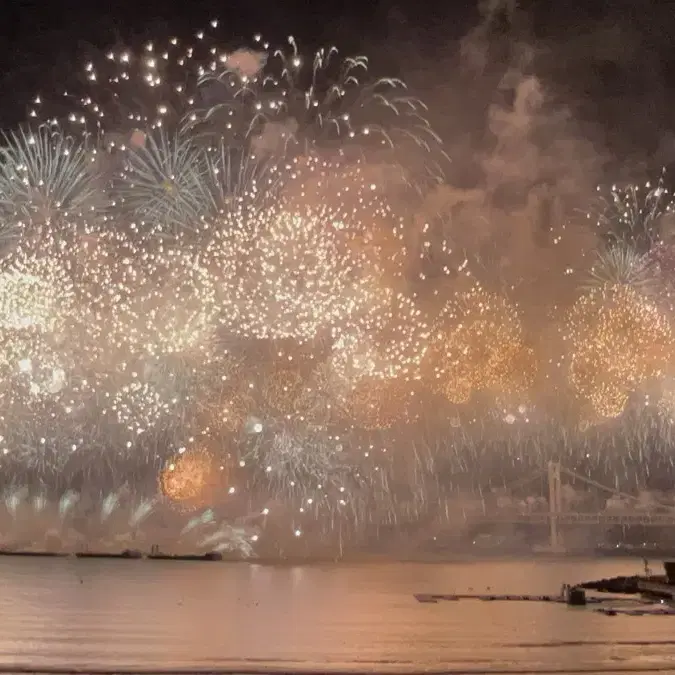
<point>443,597</point>
<point>655,594</point>
<point>33,554</point>
<point>572,597</point>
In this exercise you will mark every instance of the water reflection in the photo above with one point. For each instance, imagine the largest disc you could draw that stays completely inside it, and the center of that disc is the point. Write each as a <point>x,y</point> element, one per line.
<point>150,614</point>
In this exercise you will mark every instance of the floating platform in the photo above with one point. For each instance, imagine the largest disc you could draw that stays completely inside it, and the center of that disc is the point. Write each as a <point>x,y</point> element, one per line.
<point>129,554</point>
<point>126,555</point>
<point>214,556</point>
<point>571,596</point>
<point>33,554</point>
<point>655,611</point>
<point>435,598</point>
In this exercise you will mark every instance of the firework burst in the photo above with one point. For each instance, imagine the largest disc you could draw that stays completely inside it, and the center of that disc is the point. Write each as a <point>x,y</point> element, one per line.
<point>479,347</point>
<point>634,214</point>
<point>287,104</point>
<point>622,265</point>
<point>619,342</point>
<point>42,174</point>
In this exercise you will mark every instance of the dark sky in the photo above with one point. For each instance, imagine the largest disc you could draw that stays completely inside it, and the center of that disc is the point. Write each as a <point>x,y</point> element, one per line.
<point>42,34</point>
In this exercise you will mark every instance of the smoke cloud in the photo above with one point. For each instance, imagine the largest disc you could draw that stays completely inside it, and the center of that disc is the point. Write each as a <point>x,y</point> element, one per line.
<point>533,122</point>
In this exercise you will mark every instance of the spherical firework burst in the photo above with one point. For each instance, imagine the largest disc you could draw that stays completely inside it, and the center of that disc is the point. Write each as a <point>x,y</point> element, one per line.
<point>190,478</point>
<point>173,185</point>
<point>388,341</point>
<point>477,348</point>
<point>164,184</point>
<point>618,343</point>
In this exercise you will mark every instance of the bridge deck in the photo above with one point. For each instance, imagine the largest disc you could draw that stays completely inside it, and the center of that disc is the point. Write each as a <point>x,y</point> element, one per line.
<point>647,519</point>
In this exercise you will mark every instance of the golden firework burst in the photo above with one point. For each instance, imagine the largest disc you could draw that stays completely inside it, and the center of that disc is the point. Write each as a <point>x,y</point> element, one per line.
<point>619,342</point>
<point>190,479</point>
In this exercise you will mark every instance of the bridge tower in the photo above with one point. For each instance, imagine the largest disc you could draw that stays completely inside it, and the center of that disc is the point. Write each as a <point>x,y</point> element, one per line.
<point>555,543</point>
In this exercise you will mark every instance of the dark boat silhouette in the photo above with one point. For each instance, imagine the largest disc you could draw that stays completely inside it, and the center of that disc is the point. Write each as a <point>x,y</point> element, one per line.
<point>213,556</point>
<point>126,554</point>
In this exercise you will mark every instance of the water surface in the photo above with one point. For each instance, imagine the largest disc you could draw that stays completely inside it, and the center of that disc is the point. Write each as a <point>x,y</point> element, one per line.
<point>144,615</point>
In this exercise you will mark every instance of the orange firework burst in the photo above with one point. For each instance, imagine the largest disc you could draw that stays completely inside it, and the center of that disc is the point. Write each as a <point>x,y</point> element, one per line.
<point>377,404</point>
<point>190,479</point>
<point>619,342</point>
<point>478,348</point>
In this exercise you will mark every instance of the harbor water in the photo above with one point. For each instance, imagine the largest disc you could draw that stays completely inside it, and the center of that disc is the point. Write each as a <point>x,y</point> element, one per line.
<point>136,615</point>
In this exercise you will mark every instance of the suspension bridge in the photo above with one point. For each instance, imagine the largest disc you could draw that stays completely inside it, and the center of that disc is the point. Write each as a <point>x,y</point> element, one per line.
<point>558,517</point>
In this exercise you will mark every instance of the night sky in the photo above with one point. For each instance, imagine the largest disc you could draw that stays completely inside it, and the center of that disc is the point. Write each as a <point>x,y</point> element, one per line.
<point>610,62</point>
